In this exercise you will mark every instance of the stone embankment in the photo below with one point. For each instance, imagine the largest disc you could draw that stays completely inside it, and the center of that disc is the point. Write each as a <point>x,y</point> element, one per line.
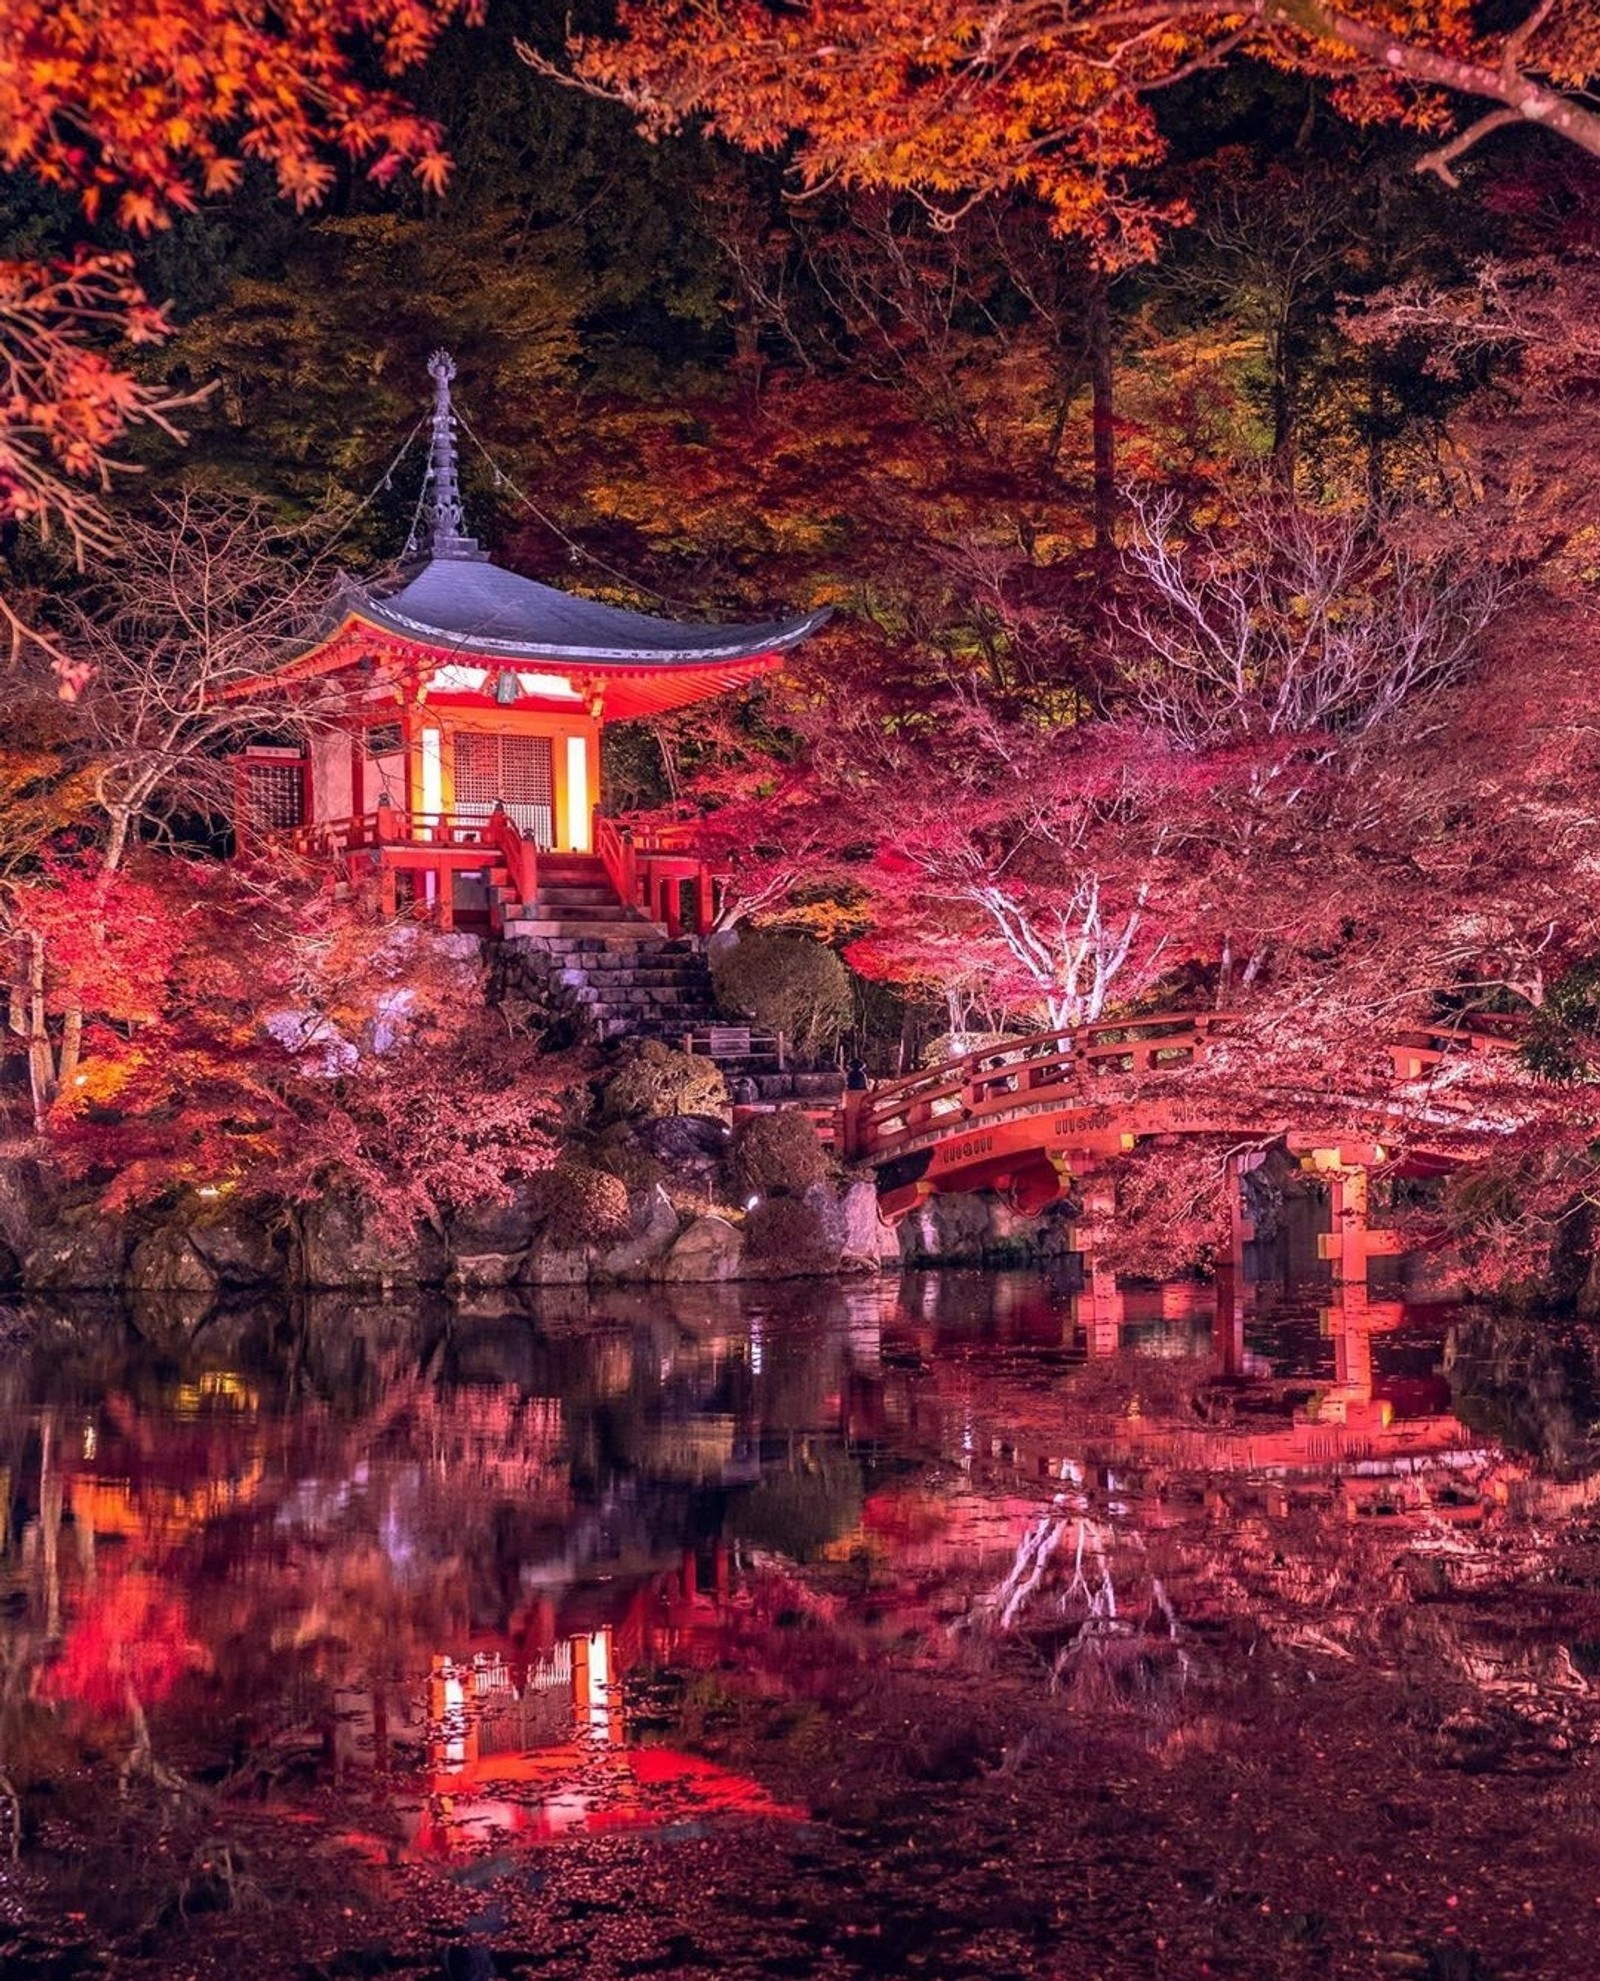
<point>51,1242</point>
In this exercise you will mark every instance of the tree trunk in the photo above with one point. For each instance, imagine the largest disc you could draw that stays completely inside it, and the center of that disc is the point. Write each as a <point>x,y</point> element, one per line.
<point>1102,378</point>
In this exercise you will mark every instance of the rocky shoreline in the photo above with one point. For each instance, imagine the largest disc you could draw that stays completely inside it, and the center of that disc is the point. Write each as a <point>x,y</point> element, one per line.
<point>54,1241</point>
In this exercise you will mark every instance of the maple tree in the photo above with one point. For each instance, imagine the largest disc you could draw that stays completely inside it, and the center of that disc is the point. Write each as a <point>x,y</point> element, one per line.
<point>140,112</point>
<point>962,102</point>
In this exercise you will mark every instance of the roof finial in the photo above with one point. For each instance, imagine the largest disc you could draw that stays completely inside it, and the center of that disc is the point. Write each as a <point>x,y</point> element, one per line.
<point>447,520</point>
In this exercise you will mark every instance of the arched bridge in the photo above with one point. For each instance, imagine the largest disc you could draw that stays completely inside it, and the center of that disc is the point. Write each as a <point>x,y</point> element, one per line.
<point>1023,1116</point>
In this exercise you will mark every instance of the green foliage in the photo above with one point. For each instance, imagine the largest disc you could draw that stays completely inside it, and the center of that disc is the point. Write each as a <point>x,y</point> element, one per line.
<point>789,984</point>
<point>778,1152</point>
<point>798,1513</point>
<point>1563,1041</point>
<point>657,1082</point>
<point>579,1205</point>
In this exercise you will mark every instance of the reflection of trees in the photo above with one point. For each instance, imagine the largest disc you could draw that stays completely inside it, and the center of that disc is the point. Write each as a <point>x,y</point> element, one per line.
<point>797,1512</point>
<point>1529,1384</point>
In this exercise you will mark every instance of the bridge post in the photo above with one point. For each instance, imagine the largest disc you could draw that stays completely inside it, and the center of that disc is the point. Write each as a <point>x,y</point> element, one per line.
<point>1101,1305</point>
<point>1351,1243</point>
<point>1241,1226</point>
<point>1228,1325</point>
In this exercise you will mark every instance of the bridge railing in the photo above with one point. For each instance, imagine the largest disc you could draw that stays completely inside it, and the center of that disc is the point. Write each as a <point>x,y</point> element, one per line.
<point>1019,1075</point>
<point>1007,1078</point>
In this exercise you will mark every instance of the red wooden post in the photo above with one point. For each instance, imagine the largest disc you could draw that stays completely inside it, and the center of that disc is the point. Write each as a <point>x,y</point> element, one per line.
<point>702,900</point>
<point>852,1127</point>
<point>670,887</point>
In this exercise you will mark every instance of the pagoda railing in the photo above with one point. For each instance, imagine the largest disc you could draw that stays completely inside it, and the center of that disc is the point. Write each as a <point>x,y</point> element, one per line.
<point>392,842</point>
<point>649,867</point>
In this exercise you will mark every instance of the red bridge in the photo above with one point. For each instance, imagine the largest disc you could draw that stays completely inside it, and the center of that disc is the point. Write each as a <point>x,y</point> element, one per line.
<point>1023,1117</point>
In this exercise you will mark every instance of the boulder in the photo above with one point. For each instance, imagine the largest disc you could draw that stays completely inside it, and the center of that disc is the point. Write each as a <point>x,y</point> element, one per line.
<point>87,1249</point>
<point>167,1262</point>
<point>685,1137</point>
<point>652,1227</point>
<point>550,1264</point>
<point>866,1239</point>
<point>489,1244</point>
<point>496,1228</point>
<point>340,1246</point>
<point>27,1203</point>
<point>710,1248</point>
<point>235,1241</point>
<point>947,1230</point>
<point>795,1237</point>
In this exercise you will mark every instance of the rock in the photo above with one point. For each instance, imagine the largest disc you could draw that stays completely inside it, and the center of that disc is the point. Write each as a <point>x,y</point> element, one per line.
<point>496,1228</point>
<point>947,1230</point>
<point>167,1262</point>
<point>795,1237</point>
<point>489,1245</point>
<point>85,1250</point>
<point>234,1240</point>
<point>340,1247</point>
<point>866,1239</point>
<point>652,1227</point>
<point>478,1272</point>
<point>27,1203</point>
<point>709,1249</point>
<point>683,1137</point>
<point>547,1264</point>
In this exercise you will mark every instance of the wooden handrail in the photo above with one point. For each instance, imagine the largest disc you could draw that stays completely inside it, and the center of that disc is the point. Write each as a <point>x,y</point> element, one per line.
<point>1020,1075</point>
<point>647,866</point>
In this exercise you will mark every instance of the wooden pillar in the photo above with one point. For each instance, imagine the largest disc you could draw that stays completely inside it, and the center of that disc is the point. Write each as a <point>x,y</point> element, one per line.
<point>1228,1325</point>
<point>1101,1306</point>
<point>1351,1244</point>
<point>1241,1226</point>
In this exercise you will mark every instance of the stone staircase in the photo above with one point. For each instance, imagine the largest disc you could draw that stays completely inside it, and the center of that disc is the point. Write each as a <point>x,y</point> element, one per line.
<point>629,979</point>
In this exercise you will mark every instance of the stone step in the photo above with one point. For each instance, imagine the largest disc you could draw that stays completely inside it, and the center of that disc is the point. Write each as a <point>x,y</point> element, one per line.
<point>534,929</point>
<point>575,895</point>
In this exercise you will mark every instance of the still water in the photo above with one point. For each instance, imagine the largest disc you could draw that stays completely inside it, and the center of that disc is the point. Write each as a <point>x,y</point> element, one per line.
<point>956,1625</point>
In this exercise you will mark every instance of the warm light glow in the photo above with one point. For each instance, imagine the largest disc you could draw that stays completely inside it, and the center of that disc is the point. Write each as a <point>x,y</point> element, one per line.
<point>432,773</point>
<point>552,686</point>
<point>458,680</point>
<point>578,793</point>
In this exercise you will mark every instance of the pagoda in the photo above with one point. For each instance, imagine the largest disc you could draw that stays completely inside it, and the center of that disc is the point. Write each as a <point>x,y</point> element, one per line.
<point>459,720</point>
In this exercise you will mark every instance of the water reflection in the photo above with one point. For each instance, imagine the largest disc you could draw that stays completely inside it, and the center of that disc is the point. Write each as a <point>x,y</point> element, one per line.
<point>498,1576</point>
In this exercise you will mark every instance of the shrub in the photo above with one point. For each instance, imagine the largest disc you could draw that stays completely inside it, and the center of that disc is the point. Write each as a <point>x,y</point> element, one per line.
<point>778,1151</point>
<point>788,1232</point>
<point>657,1082</point>
<point>786,983</point>
<point>577,1205</point>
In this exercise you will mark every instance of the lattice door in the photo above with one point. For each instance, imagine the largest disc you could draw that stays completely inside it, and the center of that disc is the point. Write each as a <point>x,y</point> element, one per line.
<point>274,793</point>
<point>516,771</point>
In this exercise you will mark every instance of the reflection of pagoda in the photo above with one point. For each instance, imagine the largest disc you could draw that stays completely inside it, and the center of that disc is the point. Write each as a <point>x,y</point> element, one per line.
<point>538,1748</point>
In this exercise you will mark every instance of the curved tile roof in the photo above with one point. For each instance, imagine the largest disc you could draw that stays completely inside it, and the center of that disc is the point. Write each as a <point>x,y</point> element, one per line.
<point>472,606</point>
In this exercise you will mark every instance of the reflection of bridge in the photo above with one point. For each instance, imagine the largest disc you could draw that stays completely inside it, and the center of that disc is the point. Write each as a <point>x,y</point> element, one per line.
<point>1023,1117</point>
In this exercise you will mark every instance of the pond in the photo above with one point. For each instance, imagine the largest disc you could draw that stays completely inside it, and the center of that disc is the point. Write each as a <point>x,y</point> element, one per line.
<point>953,1625</point>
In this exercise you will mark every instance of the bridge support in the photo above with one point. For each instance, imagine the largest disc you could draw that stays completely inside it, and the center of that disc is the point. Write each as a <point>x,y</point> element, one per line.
<point>1351,1244</point>
<point>1101,1306</point>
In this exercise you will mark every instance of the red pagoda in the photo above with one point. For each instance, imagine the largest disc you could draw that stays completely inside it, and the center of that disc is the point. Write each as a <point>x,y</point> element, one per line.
<point>461,736</point>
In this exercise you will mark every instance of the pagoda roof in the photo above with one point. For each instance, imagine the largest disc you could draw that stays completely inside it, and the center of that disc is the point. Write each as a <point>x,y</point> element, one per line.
<point>464,607</point>
<point>460,609</point>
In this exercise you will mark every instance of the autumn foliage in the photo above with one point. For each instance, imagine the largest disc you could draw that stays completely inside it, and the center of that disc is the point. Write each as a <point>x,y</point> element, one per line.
<point>139,112</point>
